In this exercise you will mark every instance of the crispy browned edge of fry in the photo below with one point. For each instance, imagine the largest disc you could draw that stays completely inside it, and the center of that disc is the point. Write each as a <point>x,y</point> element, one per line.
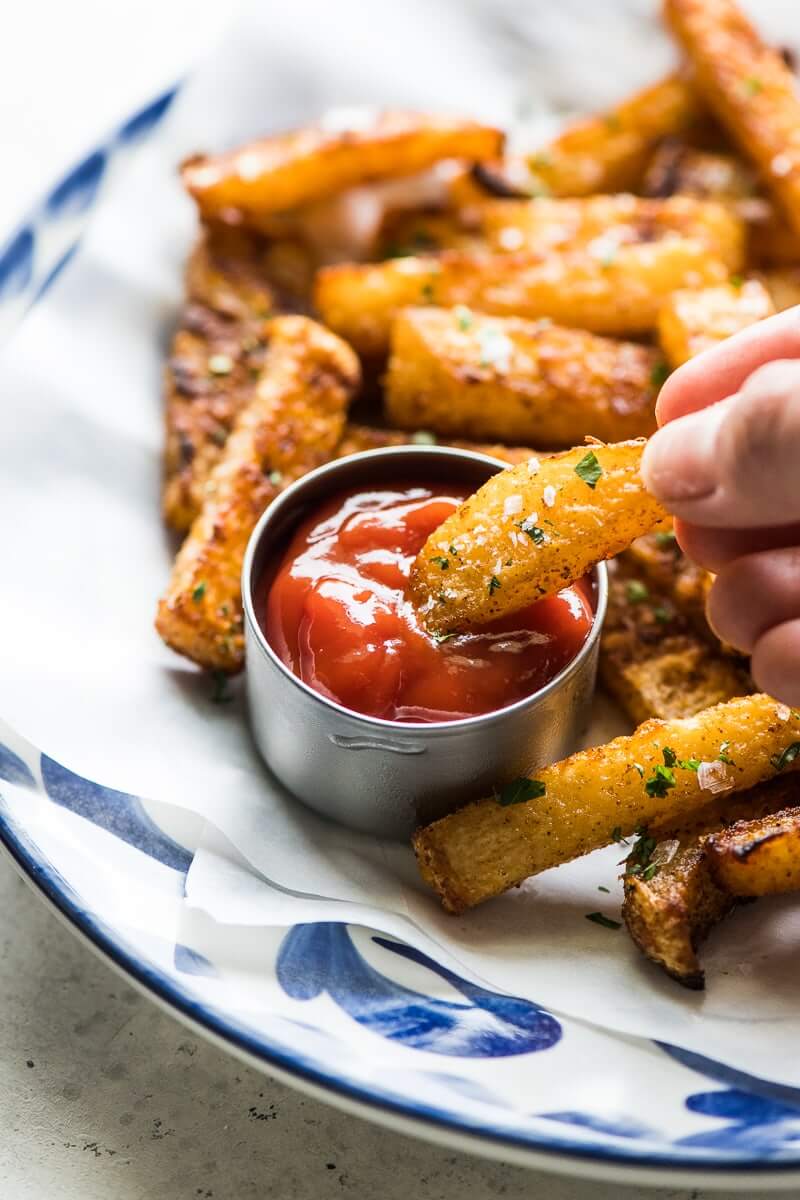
<point>293,423</point>
<point>658,560</point>
<point>746,842</point>
<point>653,662</point>
<point>748,87</point>
<point>358,438</point>
<point>311,163</point>
<point>671,915</point>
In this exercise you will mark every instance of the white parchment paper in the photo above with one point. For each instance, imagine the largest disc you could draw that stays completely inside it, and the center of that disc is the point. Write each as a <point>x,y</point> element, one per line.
<point>84,555</point>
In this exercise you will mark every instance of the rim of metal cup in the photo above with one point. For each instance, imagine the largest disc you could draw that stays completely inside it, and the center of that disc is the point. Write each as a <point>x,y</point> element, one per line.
<point>339,466</point>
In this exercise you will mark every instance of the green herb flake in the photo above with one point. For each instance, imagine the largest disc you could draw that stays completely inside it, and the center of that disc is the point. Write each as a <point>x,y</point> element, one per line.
<point>670,757</point>
<point>604,889</point>
<point>616,834</point>
<point>723,755</point>
<point>221,693</point>
<point>423,438</point>
<point>494,584</point>
<point>464,318</point>
<point>736,281</point>
<point>601,919</point>
<point>666,540</point>
<point>752,85</point>
<point>453,550</point>
<point>519,791</point>
<point>663,614</point>
<point>441,562</point>
<point>660,782</point>
<point>534,532</point>
<point>426,292</point>
<point>440,638</point>
<point>199,592</point>
<point>275,478</point>
<point>649,871</point>
<point>659,374</point>
<point>786,757</point>
<point>589,469</point>
<point>220,364</point>
<point>636,591</point>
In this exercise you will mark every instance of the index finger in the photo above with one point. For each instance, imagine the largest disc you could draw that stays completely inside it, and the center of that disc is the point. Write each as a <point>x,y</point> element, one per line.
<point>719,372</point>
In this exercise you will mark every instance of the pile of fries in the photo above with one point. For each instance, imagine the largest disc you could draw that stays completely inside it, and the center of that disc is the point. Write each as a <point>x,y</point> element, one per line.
<point>523,307</point>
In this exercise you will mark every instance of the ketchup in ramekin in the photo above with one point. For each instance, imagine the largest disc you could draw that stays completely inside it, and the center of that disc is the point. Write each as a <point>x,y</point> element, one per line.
<point>336,611</point>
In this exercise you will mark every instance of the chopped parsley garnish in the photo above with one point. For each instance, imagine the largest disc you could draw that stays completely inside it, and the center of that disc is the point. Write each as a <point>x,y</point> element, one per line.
<point>441,562</point>
<point>199,592</point>
<point>638,861</point>
<point>723,755</point>
<point>786,757</point>
<point>221,694</point>
<point>671,760</point>
<point>607,891</point>
<point>276,478</point>
<point>423,438</point>
<point>660,782</point>
<point>519,791</point>
<point>452,550</point>
<point>494,584</point>
<point>753,85</point>
<point>439,638</point>
<point>616,835</point>
<point>534,532</point>
<point>665,539</point>
<point>658,374</point>
<point>736,281</point>
<point>426,292</point>
<point>601,919</point>
<point>663,615</point>
<point>464,318</point>
<point>636,591</point>
<point>589,469</point>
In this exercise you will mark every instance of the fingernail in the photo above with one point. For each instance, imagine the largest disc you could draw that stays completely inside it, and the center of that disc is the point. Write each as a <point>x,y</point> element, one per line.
<point>680,461</point>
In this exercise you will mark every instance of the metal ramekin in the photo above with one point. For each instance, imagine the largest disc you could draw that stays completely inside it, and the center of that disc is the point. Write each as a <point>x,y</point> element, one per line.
<point>380,776</point>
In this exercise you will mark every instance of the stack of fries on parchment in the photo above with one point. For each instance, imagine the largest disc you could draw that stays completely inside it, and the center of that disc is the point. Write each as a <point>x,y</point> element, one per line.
<point>519,306</point>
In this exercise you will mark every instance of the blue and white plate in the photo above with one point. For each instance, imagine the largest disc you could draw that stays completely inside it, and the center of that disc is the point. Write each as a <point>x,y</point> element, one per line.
<point>361,1020</point>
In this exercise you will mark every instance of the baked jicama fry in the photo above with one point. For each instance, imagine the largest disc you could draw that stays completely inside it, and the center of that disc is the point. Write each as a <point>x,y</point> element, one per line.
<point>646,780</point>
<point>748,87</point>
<point>288,170</point>
<point>758,857</point>
<point>693,321</point>
<point>657,560</point>
<point>367,437</point>
<point>653,662</point>
<point>616,291</point>
<point>293,423</point>
<point>543,224</point>
<point>459,372</point>
<point>530,531</point>
<point>608,152</point>
<point>672,900</point>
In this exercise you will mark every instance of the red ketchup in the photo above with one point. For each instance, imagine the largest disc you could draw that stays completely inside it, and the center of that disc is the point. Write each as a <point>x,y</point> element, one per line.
<point>337,613</point>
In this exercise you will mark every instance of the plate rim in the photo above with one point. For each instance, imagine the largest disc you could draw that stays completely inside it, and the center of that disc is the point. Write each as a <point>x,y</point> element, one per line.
<point>534,1150</point>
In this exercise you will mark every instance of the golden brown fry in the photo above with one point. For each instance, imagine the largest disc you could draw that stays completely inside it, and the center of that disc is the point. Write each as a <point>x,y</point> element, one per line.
<point>488,847</point>
<point>608,152</point>
<point>749,87</point>
<point>670,913</point>
<point>288,170</point>
<point>618,294</point>
<point>758,857</point>
<point>783,286</point>
<point>693,321</point>
<point>210,375</point>
<point>227,272</point>
<point>454,371</point>
<point>679,169</point>
<point>651,659</point>
<point>293,423</point>
<point>659,562</point>
<point>367,437</point>
<point>542,225</point>
<point>530,531</point>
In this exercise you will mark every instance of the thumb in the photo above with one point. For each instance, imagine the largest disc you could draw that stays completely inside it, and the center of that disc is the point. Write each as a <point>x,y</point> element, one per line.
<point>734,464</point>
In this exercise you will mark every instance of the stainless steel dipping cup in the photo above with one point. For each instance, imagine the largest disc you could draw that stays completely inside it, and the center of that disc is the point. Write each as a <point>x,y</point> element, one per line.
<point>387,777</point>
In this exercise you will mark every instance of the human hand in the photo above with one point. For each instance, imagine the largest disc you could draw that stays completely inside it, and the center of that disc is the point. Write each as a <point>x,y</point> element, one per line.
<point>726,463</point>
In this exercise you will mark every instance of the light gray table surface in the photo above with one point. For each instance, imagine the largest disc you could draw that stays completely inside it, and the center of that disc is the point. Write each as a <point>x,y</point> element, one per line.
<point>105,1097</point>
